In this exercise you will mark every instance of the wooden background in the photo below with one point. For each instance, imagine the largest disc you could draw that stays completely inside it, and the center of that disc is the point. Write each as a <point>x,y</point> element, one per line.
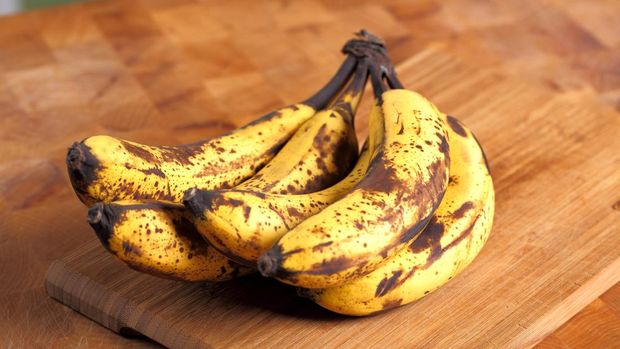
<point>174,71</point>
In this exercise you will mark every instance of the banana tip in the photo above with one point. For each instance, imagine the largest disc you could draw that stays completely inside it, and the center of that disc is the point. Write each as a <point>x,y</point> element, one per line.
<point>190,200</point>
<point>95,213</point>
<point>75,156</point>
<point>267,265</point>
<point>101,218</point>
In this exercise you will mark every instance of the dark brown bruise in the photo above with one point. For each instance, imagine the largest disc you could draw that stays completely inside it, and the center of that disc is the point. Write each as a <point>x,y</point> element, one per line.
<point>293,212</point>
<point>154,171</point>
<point>411,233</point>
<point>430,237</point>
<point>460,212</point>
<point>318,140</point>
<point>381,176</point>
<point>456,126</point>
<point>444,147</point>
<point>332,266</point>
<point>181,154</point>
<point>246,212</point>
<point>140,152</point>
<point>345,154</point>
<point>197,201</point>
<point>322,245</point>
<point>387,284</point>
<point>130,248</point>
<point>392,304</point>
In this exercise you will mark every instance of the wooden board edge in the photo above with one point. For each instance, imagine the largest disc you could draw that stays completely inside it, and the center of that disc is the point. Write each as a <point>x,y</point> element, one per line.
<point>108,308</point>
<point>569,307</point>
<point>67,287</point>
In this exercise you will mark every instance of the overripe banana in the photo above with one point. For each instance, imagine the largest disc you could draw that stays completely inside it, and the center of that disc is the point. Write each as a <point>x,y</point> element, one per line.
<point>104,168</point>
<point>245,221</point>
<point>452,239</point>
<point>404,185</point>
<point>320,153</point>
<point>243,224</point>
<point>158,238</point>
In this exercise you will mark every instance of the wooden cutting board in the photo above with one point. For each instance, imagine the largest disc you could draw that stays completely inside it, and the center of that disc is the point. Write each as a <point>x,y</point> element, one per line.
<point>554,246</point>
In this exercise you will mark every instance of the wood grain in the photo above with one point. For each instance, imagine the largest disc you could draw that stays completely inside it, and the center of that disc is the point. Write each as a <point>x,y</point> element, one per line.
<point>539,269</point>
<point>537,80</point>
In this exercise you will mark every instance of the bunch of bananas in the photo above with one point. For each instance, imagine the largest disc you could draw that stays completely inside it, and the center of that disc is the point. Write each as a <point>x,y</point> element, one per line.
<point>290,195</point>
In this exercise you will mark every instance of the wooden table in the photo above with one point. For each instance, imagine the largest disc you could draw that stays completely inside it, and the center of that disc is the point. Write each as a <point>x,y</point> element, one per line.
<point>172,71</point>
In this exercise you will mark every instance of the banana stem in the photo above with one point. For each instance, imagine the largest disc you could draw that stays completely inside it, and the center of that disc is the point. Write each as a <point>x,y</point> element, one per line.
<point>371,49</point>
<point>378,84</point>
<point>393,80</point>
<point>356,86</point>
<point>321,99</point>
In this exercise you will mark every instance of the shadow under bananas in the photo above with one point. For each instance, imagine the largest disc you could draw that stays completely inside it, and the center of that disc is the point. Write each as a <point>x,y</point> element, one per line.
<point>255,291</point>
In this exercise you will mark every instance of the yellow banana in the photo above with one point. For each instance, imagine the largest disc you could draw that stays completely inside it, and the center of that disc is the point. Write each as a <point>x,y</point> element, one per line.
<point>243,224</point>
<point>158,238</point>
<point>453,238</point>
<point>104,168</point>
<point>404,185</point>
<point>320,153</point>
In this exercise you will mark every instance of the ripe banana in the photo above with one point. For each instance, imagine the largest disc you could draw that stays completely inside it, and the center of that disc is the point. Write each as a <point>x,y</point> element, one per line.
<point>158,238</point>
<point>454,236</point>
<point>320,153</point>
<point>104,168</point>
<point>244,224</point>
<point>404,185</point>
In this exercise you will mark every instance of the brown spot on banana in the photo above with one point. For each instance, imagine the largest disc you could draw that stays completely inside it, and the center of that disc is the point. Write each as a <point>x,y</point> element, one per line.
<point>153,171</point>
<point>139,152</point>
<point>130,248</point>
<point>460,212</point>
<point>322,245</point>
<point>456,126</point>
<point>386,284</point>
<point>392,304</point>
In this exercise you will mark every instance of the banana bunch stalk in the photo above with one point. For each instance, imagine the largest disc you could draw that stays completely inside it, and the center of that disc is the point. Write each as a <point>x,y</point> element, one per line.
<point>290,195</point>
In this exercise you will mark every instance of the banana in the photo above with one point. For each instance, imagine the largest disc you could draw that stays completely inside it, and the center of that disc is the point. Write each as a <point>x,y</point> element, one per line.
<point>244,224</point>
<point>245,221</point>
<point>104,168</point>
<point>320,153</point>
<point>453,238</point>
<point>395,200</point>
<point>158,238</point>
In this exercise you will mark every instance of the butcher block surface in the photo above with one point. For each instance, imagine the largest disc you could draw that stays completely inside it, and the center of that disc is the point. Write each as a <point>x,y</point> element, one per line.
<point>537,81</point>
